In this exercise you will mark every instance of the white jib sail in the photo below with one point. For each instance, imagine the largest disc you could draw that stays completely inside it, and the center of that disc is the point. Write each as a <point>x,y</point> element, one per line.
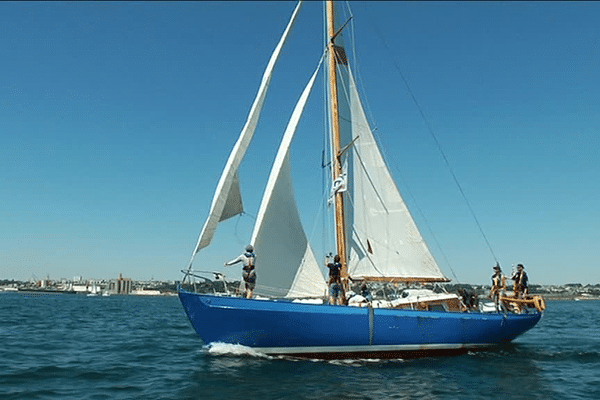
<point>227,200</point>
<point>286,265</point>
<point>385,241</point>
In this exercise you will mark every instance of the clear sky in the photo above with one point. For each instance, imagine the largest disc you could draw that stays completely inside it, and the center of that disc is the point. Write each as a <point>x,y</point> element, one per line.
<point>116,120</point>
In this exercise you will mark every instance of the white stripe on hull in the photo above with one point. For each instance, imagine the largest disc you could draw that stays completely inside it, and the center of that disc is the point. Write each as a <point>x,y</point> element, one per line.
<point>370,348</point>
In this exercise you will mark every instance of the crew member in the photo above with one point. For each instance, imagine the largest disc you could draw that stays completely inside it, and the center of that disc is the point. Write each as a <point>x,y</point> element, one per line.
<point>498,286</point>
<point>520,288</point>
<point>335,282</point>
<point>248,269</point>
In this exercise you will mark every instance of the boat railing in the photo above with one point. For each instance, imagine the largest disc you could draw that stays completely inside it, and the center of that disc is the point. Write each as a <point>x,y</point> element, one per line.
<point>193,276</point>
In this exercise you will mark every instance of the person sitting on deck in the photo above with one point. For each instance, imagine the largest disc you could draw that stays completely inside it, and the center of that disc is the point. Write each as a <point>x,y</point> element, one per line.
<point>248,269</point>
<point>335,282</point>
<point>469,300</point>
<point>366,293</point>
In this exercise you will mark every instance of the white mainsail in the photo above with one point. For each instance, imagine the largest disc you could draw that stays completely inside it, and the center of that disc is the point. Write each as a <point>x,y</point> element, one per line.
<point>227,201</point>
<point>384,241</point>
<point>286,263</point>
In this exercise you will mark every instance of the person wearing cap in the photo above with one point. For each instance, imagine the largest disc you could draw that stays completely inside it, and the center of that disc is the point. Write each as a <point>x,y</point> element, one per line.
<point>498,285</point>
<point>248,269</point>
<point>520,288</point>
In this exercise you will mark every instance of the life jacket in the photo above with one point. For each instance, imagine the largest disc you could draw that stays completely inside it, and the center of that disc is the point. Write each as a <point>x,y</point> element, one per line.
<point>522,279</point>
<point>250,257</point>
<point>497,281</point>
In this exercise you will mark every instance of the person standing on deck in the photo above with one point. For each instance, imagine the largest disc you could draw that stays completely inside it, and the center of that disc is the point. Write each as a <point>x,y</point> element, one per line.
<point>248,269</point>
<point>498,286</point>
<point>335,281</point>
<point>520,277</point>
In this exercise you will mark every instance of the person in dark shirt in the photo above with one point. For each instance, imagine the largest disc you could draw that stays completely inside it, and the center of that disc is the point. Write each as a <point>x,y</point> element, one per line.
<point>520,277</point>
<point>335,282</point>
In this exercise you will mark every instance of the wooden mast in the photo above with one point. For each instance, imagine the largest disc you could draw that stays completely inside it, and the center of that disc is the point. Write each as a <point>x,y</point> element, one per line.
<point>335,127</point>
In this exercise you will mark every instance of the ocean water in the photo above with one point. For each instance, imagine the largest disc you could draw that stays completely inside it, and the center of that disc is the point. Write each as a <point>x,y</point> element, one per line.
<point>130,347</point>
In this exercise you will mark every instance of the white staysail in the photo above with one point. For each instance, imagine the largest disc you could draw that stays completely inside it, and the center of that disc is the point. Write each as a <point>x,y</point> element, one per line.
<point>227,198</point>
<point>384,241</point>
<point>286,264</point>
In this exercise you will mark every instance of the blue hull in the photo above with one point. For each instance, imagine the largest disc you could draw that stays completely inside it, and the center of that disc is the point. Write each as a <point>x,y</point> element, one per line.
<point>324,331</point>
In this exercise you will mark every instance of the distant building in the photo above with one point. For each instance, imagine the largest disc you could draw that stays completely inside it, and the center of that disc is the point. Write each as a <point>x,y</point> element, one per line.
<point>80,288</point>
<point>121,285</point>
<point>147,292</point>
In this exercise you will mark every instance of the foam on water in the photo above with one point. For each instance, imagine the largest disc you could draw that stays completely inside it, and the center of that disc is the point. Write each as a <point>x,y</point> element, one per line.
<point>220,349</point>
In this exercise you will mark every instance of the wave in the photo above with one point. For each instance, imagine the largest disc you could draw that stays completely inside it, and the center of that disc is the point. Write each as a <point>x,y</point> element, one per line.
<point>219,349</point>
<point>584,356</point>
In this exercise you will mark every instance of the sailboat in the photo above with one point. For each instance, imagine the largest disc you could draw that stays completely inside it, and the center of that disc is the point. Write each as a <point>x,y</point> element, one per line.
<point>375,236</point>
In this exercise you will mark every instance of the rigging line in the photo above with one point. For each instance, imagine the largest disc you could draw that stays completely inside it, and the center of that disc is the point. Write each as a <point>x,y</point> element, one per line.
<point>318,217</point>
<point>324,127</point>
<point>420,211</point>
<point>371,183</point>
<point>374,131</point>
<point>345,91</point>
<point>358,75</point>
<point>361,243</point>
<point>326,239</point>
<point>439,146</point>
<point>433,236</point>
<point>326,169</point>
<point>237,222</point>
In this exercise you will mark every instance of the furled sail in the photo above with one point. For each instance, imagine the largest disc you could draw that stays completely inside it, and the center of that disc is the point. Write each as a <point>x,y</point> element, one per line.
<point>286,264</point>
<point>227,201</point>
<point>384,241</point>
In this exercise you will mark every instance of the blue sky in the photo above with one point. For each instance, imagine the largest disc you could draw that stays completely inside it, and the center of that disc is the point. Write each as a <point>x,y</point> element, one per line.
<point>116,120</point>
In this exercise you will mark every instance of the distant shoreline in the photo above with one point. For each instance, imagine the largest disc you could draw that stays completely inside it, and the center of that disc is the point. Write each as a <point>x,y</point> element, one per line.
<point>168,293</point>
<point>570,298</point>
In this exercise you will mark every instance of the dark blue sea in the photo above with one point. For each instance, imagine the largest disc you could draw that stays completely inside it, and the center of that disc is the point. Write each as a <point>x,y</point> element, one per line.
<point>131,347</point>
